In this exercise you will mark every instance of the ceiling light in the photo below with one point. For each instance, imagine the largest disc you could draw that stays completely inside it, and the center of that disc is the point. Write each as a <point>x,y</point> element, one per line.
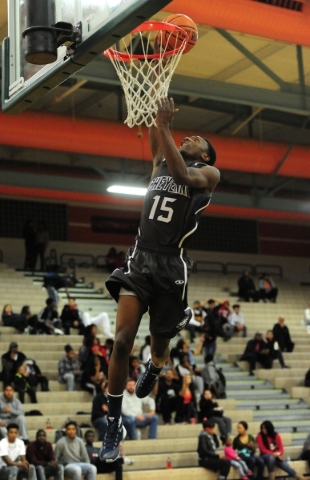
<point>125,190</point>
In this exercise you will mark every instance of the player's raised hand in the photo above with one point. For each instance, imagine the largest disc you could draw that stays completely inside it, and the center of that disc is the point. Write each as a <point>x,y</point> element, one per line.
<point>165,111</point>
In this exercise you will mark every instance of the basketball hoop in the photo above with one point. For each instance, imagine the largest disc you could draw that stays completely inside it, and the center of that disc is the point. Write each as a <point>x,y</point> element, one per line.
<point>145,61</point>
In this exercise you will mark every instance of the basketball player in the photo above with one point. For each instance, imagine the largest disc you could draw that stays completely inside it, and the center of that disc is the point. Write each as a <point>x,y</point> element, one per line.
<point>155,276</point>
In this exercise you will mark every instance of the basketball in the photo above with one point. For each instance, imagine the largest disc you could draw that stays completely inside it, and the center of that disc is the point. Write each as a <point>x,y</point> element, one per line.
<point>171,41</point>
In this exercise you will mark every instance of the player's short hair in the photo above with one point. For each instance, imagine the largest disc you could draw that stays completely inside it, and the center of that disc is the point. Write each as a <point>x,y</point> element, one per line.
<point>211,152</point>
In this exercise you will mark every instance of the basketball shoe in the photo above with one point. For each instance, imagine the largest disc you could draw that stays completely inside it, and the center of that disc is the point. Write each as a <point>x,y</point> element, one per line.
<point>146,382</point>
<point>116,432</point>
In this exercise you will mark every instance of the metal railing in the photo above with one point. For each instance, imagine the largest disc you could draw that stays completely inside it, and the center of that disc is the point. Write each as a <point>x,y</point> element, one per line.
<point>275,270</point>
<point>235,267</point>
<point>206,266</point>
<point>84,260</point>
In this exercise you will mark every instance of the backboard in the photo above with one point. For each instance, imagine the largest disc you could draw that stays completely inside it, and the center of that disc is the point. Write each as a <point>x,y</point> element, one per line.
<point>102,23</point>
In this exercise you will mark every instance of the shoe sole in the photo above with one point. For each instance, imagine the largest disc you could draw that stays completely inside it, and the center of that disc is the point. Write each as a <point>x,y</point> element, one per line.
<point>111,460</point>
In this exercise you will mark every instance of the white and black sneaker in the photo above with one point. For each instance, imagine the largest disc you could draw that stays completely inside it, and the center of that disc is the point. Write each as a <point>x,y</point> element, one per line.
<point>116,432</point>
<point>146,382</point>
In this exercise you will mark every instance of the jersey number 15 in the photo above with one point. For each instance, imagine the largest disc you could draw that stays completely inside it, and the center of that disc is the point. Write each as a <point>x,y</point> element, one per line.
<point>163,208</point>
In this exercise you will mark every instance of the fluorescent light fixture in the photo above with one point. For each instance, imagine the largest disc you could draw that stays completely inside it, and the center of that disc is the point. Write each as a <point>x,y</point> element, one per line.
<point>125,190</point>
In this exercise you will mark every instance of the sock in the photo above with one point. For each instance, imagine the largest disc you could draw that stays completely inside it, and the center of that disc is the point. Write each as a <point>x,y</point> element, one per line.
<point>115,405</point>
<point>155,369</point>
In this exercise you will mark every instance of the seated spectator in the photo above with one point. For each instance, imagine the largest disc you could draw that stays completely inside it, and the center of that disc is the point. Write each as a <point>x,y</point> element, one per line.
<point>245,445</point>
<point>196,322</point>
<point>32,320</point>
<point>272,452</point>
<point>145,349</point>
<point>40,454</point>
<point>15,320</point>
<point>217,321</point>
<point>101,352</point>
<point>54,282</point>
<point>267,288</point>
<point>70,452</point>
<point>92,376</point>
<point>282,336</point>
<point>49,321</point>
<point>167,390</point>
<point>213,378</point>
<point>136,369</point>
<point>207,446</point>
<point>236,461</point>
<point>307,379</point>
<point>71,318</point>
<point>273,348</point>
<point>13,456</point>
<point>186,410</point>
<point>307,315</point>
<point>10,361</point>
<point>100,410</point>
<point>104,467</point>
<point>102,321</point>
<point>36,377</point>
<point>185,367</point>
<point>256,351</point>
<point>132,411</point>
<point>211,410</point>
<point>246,288</point>
<point>11,411</point>
<point>110,259</point>
<point>305,453</point>
<point>236,321</point>
<point>22,385</point>
<point>69,369</point>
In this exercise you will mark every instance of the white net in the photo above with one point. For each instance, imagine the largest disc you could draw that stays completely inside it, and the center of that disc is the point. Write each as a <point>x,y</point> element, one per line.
<point>145,76</point>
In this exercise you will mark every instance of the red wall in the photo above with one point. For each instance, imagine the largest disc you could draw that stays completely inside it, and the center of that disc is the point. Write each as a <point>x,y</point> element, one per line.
<point>284,239</point>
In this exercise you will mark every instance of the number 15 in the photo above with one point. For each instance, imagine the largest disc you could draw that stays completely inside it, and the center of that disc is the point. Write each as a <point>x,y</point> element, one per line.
<point>163,207</point>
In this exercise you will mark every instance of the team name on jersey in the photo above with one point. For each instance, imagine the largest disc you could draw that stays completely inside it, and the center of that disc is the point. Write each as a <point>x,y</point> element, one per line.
<point>167,184</point>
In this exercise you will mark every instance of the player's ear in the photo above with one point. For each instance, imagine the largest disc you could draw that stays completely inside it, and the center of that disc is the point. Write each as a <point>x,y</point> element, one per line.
<point>205,157</point>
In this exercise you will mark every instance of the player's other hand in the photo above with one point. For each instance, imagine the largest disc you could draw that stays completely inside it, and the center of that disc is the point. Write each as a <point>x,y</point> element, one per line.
<point>165,111</point>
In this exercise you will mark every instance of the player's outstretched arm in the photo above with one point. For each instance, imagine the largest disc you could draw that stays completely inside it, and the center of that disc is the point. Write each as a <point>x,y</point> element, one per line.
<point>206,177</point>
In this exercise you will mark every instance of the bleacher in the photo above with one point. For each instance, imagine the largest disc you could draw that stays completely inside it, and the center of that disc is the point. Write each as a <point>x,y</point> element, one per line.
<point>277,395</point>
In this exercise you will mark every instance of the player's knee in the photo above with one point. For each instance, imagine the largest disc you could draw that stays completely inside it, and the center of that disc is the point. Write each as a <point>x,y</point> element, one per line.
<point>122,346</point>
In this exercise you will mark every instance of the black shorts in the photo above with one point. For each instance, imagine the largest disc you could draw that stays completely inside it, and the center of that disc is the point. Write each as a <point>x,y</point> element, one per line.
<point>159,279</point>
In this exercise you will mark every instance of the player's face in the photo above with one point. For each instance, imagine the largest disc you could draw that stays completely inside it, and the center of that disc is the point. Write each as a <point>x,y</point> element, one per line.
<point>194,147</point>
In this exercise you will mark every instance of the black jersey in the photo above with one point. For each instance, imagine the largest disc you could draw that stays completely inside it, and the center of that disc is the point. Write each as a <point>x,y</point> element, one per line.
<point>171,212</point>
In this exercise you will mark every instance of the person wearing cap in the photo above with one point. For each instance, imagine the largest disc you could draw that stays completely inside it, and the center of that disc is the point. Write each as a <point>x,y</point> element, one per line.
<point>207,451</point>
<point>11,410</point>
<point>69,368</point>
<point>10,362</point>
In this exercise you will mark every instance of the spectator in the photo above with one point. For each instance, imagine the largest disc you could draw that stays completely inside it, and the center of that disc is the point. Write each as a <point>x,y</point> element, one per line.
<point>236,461</point>
<point>104,467</point>
<point>271,451</point>
<point>92,376</point>
<point>246,288</point>
<point>32,320</point>
<point>35,375</point>
<point>42,239</point>
<point>305,453</point>
<point>210,409</point>
<point>132,411</point>
<point>236,320</point>
<point>213,378</point>
<point>245,445</point>
<point>101,352</point>
<point>208,457</point>
<point>120,260</point>
<point>10,361</point>
<point>136,369</point>
<point>11,411</point>
<point>267,288</point>
<point>54,282</point>
<point>13,455</point>
<point>145,349</point>
<point>102,321</point>
<point>15,320</point>
<point>307,315</point>
<point>307,379</point>
<point>167,396</point>
<point>196,322</point>
<point>282,336</point>
<point>40,454</point>
<point>110,259</point>
<point>186,402</point>
<point>70,452</point>
<point>22,385</point>
<point>100,410</point>
<point>273,348</point>
<point>71,318</point>
<point>29,234</point>
<point>185,367</point>
<point>49,321</point>
<point>213,316</point>
<point>69,369</point>
<point>256,351</point>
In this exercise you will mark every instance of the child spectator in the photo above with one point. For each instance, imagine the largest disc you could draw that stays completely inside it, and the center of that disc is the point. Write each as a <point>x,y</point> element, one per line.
<point>236,461</point>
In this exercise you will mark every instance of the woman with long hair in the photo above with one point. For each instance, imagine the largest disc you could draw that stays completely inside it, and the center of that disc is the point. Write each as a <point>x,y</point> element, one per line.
<point>245,446</point>
<point>272,452</point>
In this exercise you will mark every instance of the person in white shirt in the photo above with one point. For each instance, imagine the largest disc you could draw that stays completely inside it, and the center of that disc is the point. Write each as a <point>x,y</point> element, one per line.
<point>307,315</point>
<point>236,321</point>
<point>132,412</point>
<point>13,461</point>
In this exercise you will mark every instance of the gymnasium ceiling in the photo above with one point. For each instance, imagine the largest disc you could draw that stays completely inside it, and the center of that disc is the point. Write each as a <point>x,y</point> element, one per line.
<point>231,86</point>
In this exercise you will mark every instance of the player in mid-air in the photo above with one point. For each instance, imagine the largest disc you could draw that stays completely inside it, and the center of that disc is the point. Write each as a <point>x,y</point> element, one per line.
<point>155,276</point>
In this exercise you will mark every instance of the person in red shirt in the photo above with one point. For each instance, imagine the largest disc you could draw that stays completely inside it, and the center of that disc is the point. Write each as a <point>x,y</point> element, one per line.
<point>272,452</point>
<point>40,454</point>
